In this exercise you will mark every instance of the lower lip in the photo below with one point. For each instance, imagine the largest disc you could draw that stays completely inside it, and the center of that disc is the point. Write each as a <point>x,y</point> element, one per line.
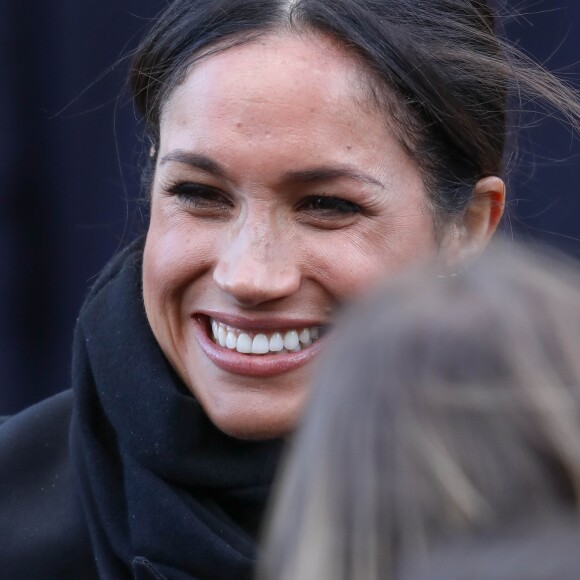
<point>255,365</point>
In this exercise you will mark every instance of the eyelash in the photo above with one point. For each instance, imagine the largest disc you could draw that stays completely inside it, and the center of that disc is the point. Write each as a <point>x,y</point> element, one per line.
<point>198,196</point>
<point>339,205</point>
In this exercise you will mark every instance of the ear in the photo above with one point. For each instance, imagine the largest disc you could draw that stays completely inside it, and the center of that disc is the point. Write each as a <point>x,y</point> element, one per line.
<point>471,234</point>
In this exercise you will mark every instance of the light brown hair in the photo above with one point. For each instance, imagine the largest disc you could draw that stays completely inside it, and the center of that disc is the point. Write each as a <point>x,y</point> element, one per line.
<point>446,417</point>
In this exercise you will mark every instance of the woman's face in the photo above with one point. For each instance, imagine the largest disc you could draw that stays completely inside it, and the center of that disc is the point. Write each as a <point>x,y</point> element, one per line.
<point>279,193</point>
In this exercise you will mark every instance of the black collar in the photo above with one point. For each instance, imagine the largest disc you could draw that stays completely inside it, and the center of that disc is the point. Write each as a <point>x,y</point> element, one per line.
<point>163,490</point>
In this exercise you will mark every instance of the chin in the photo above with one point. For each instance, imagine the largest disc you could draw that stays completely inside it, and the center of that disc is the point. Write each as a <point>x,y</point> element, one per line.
<point>254,416</point>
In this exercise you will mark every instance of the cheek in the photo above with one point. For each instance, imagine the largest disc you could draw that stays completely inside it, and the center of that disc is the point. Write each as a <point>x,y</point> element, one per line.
<point>351,262</point>
<point>175,255</point>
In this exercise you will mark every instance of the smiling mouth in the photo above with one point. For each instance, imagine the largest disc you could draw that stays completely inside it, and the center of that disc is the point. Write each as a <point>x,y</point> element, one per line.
<point>261,343</point>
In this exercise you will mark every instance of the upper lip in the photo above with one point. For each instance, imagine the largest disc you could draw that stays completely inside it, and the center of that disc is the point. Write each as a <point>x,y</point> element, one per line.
<point>260,322</point>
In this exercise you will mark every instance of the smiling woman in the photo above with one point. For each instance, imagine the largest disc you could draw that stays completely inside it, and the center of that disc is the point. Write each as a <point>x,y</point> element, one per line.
<point>263,180</point>
<point>298,151</point>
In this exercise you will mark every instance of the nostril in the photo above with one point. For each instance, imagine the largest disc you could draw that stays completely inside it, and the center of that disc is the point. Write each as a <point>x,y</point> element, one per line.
<point>252,283</point>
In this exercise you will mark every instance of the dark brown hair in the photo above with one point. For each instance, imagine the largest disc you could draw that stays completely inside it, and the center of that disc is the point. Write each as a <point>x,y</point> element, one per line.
<point>442,60</point>
<point>445,421</point>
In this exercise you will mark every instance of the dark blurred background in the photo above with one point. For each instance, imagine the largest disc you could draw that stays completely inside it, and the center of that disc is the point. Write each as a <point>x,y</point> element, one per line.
<point>69,154</point>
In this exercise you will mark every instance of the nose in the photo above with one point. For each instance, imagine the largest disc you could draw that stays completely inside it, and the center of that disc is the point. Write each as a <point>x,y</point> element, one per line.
<point>257,266</point>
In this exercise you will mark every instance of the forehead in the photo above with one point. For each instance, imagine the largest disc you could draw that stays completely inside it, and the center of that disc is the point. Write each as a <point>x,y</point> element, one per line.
<point>289,98</point>
<point>280,74</point>
<point>272,60</point>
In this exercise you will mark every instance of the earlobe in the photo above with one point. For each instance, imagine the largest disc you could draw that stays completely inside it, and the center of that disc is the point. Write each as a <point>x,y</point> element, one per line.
<point>480,220</point>
<point>471,233</point>
<point>486,210</point>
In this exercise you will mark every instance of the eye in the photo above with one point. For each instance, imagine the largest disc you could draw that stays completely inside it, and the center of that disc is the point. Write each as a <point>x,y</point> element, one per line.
<point>199,197</point>
<point>329,207</point>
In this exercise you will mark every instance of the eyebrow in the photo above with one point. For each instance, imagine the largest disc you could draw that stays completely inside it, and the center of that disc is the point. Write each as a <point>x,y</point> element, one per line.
<point>311,175</point>
<point>329,173</point>
<point>195,160</point>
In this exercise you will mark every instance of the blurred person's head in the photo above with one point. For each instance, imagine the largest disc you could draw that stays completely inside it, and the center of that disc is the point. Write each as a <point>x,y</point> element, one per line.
<point>443,439</point>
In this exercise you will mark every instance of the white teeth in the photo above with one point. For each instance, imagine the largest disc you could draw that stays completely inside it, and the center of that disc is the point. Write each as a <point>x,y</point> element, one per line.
<point>276,342</point>
<point>244,343</point>
<point>222,335</point>
<point>231,340</point>
<point>260,344</point>
<point>291,340</point>
<point>305,337</point>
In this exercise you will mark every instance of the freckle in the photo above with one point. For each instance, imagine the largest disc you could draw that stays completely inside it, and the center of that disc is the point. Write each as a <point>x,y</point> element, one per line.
<point>349,147</point>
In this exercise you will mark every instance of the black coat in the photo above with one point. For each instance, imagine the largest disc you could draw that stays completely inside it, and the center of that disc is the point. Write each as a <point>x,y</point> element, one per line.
<point>125,477</point>
<point>42,529</point>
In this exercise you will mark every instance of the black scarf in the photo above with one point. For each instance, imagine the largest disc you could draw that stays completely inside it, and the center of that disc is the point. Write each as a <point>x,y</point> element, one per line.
<point>165,493</point>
